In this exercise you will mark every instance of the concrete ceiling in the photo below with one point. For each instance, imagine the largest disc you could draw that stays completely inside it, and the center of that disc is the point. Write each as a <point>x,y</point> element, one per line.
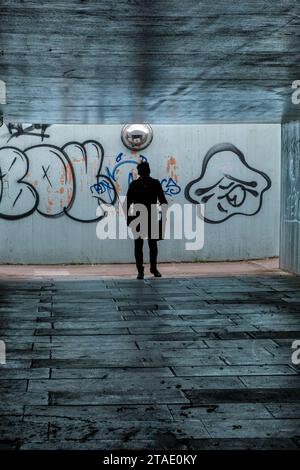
<point>160,61</point>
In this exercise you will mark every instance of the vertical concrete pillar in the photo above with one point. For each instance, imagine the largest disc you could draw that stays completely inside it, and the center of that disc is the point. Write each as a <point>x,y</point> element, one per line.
<point>290,197</point>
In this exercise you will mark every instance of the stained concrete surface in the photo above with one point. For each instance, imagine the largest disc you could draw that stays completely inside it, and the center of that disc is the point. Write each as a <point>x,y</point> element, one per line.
<point>182,363</point>
<point>91,61</point>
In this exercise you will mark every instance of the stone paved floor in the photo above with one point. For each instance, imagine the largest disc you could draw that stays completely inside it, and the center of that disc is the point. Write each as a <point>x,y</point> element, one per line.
<point>196,363</point>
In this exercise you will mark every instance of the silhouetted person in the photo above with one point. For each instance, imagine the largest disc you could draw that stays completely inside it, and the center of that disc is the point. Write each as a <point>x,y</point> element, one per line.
<point>147,191</point>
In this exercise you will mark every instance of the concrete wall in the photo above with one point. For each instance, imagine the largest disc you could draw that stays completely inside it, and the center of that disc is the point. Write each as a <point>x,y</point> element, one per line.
<point>290,198</point>
<point>49,190</point>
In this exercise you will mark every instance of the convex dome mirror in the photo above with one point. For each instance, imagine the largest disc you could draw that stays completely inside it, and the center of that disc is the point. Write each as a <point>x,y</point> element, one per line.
<point>136,136</point>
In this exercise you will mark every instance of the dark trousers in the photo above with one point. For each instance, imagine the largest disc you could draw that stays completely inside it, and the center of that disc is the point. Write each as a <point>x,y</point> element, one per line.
<point>138,253</point>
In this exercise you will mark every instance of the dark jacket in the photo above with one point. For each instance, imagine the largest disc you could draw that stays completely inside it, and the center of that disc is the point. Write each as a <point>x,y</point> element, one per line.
<point>147,191</point>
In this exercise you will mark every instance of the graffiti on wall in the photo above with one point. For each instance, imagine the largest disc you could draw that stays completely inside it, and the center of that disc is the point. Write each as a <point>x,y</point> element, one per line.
<point>124,168</point>
<point>33,130</point>
<point>51,180</point>
<point>227,185</point>
<point>170,185</point>
<point>68,180</point>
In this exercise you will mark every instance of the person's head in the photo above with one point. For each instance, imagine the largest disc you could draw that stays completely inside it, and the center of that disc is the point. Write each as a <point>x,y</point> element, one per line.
<point>143,169</point>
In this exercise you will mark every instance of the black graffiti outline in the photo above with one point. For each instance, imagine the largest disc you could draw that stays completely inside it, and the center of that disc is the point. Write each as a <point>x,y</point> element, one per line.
<point>217,148</point>
<point>20,130</point>
<point>22,181</point>
<point>57,150</point>
<point>98,175</point>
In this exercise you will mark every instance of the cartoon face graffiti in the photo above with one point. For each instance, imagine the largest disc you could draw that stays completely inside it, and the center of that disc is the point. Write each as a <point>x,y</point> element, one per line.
<point>227,185</point>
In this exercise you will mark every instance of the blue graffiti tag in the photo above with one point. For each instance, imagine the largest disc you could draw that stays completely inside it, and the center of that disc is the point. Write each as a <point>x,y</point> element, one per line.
<point>119,162</point>
<point>170,187</point>
<point>103,186</point>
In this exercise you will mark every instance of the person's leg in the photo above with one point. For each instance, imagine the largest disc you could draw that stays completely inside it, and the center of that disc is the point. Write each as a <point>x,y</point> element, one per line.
<point>153,257</point>
<point>138,253</point>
